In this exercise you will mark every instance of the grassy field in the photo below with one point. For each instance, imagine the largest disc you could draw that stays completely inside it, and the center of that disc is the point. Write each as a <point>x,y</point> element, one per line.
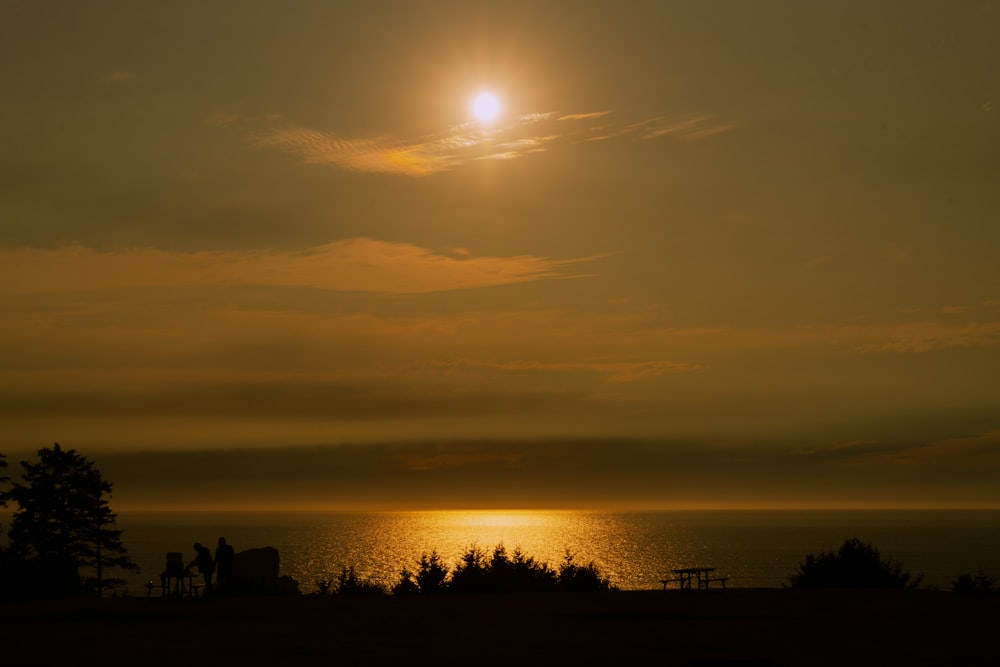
<point>733,627</point>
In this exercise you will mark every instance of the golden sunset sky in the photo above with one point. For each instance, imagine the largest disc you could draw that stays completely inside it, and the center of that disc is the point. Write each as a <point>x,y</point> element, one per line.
<point>707,254</point>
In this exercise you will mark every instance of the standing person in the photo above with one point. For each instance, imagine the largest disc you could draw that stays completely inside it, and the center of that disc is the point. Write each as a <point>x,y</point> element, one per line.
<point>224,559</point>
<point>205,564</point>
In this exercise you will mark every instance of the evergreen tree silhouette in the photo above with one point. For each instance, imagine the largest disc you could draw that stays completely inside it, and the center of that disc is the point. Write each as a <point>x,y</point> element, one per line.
<point>63,523</point>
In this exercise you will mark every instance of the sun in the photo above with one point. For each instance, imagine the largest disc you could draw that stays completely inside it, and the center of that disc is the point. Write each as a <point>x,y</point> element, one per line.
<point>485,107</point>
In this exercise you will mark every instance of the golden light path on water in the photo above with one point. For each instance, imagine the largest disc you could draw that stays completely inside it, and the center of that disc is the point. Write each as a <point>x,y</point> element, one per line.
<point>379,545</point>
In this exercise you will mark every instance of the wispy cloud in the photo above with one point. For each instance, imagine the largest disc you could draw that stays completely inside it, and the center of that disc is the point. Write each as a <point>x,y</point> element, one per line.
<point>929,336</point>
<point>358,264</point>
<point>461,144</point>
<point>686,128</point>
<point>976,450</point>
<point>614,371</point>
<point>914,337</point>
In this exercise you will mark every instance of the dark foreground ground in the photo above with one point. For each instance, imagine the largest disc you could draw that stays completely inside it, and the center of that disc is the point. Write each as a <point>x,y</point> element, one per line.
<point>735,627</point>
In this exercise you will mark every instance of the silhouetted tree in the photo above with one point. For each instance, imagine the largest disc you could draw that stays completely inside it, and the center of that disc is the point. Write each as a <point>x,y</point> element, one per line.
<point>431,573</point>
<point>63,522</point>
<point>471,574</point>
<point>499,573</point>
<point>519,573</point>
<point>349,583</point>
<point>577,578</point>
<point>431,576</point>
<point>857,564</point>
<point>974,584</point>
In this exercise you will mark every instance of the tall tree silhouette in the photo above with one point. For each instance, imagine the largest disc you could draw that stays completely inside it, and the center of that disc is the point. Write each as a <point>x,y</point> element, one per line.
<point>63,522</point>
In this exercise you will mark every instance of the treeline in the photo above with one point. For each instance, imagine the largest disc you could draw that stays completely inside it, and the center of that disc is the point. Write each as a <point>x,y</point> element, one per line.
<point>476,572</point>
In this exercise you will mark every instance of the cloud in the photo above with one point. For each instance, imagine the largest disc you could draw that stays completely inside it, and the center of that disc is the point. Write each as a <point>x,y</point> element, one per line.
<point>585,116</point>
<point>978,450</point>
<point>266,400</point>
<point>921,337</point>
<point>461,144</point>
<point>606,473</point>
<point>688,128</point>
<point>357,264</point>
<point>915,337</point>
<point>615,371</point>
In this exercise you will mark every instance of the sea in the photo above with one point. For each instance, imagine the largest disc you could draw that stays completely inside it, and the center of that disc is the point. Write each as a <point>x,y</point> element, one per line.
<point>754,549</point>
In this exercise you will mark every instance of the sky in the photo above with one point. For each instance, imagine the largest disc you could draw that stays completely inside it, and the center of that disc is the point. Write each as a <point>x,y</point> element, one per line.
<point>708,253</point>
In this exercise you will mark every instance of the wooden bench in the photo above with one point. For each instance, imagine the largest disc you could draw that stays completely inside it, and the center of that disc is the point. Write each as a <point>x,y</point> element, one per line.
<point>670,581</point>
<point>192,590</point>
<point>689,577</point>
<point>176,587</point>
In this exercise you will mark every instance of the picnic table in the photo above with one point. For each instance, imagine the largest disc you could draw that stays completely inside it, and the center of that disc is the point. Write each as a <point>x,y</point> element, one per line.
<point>176,585</point>
<point>687,576</point>
<point>175,580</point>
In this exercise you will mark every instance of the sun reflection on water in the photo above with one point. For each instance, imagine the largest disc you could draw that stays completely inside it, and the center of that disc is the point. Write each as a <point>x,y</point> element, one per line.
<point>499,518</point>
<point>381,544</point>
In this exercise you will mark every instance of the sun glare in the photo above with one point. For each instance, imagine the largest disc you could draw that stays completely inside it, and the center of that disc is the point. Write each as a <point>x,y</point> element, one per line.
<point>485,107</point>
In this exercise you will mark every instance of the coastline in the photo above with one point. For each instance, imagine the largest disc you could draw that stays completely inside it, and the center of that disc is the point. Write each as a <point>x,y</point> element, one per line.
<point>732,627</point>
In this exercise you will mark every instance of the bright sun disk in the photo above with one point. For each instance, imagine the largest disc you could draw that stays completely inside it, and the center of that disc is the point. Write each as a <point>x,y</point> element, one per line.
<point>485,107</point>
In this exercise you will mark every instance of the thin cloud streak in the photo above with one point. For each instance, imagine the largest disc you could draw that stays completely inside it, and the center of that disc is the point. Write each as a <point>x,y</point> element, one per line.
<point>618,372</point>
<point>462,144</point>
<point>358,265</point>
<point>604,473</point>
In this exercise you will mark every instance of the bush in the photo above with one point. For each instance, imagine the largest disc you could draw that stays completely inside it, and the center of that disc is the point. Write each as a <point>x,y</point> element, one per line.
<point>857,564</point>
<point>324,588</point>
<point>472,574</point>
<point>348,583</point>
<point>576,578</point>
<point>501,572</point>
<point>974,584</point>
<point>431,577</point>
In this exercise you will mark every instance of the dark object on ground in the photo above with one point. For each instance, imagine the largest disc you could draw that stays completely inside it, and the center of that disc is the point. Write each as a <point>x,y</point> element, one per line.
<point>857,564</point>
<point>975,584</point>
<point>256,572</point>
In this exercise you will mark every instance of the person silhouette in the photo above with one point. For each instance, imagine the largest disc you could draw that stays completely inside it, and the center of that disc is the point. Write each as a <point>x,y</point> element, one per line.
<point>225,556</point>
<point>203,560</point>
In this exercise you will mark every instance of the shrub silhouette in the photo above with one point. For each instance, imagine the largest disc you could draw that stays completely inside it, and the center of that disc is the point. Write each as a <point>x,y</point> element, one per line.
<point>573,577</point>
<point>500,572</point>
<point>857,564</point>
<point>348,583</point>
<point>472,573</point>
<point>519,572</point>
<point>974,584</point>
<point>431,577</point>
<point>324,588</point>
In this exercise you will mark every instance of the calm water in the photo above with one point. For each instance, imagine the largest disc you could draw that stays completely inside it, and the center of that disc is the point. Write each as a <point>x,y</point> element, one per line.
<point>754,548</point>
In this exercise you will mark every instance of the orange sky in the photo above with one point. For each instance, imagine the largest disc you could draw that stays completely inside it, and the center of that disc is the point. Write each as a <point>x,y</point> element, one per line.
<point>760,238</point>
